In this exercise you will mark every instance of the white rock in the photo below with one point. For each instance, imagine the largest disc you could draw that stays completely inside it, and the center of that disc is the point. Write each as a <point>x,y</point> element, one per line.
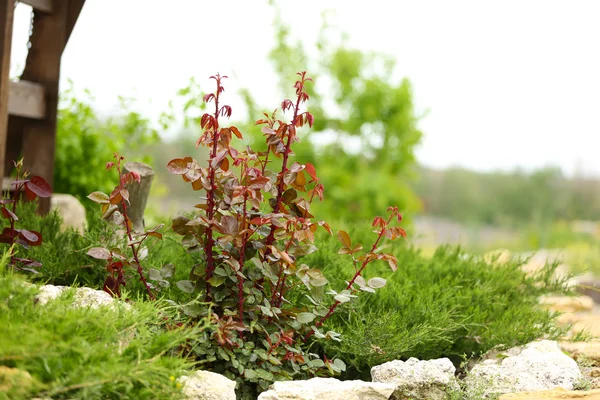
<point>327,388</point>
<point>48,293</point>
<point>206,385</point>
<point>416,379</point>
<point>87,297</point>
<point>83,297</point>
<point>71,211</point>
<point>537,366</point>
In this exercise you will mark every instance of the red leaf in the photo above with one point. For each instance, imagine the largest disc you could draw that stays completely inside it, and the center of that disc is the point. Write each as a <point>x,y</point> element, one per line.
<point>344,238</point>
<point>9,214</point>
<point>39,186</point>
<point>379,221</point>
<point>310,118</point>
<point>311,170</point>
<point>125,194</point>
<point>179,166</point>
<point>236,132</point>
<point>29,194</point>
<point>135,176</point>
<point>110,164</point>
<point>33,238</point>
<point>115,196</point>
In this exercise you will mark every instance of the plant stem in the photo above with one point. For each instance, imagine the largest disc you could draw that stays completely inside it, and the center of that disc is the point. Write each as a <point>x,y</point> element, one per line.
<point>209,243</point>
<point>134,248</point>
<point>241,261</point>
<point>356,275</point>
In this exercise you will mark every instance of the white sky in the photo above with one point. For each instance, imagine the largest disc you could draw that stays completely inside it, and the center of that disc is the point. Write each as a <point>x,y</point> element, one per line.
<point>507,83</point>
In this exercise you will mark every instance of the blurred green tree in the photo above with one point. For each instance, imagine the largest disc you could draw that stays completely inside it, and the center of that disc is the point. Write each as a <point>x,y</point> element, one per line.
<point>365,131</point>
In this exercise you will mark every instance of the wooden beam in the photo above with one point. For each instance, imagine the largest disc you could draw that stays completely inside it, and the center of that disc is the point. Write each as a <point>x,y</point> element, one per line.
<point>7,9</point>
<point>39,5</point>
<point>75,7</point>
<point>27,99</point>
<point>42,66</point>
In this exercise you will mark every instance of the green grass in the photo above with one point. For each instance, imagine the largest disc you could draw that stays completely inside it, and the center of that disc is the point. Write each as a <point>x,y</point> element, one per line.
<point>73,352</point>
<point>448,305</point>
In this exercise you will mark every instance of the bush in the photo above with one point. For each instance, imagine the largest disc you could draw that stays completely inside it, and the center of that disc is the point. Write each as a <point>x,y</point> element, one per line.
<point>84,142</point>
<point>450,305</point>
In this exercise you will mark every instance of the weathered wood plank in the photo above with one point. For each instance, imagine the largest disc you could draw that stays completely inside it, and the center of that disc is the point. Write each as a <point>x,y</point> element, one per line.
<point>48,41</point>
<point>40,5</point>
<point>27,99</point>
<point>75,7</point>
<point>7,8</point>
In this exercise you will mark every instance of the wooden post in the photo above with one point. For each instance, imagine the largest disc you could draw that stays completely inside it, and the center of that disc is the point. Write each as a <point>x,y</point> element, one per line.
<point>138,193</point>
<point>7,8</point>
<point>48,40</point>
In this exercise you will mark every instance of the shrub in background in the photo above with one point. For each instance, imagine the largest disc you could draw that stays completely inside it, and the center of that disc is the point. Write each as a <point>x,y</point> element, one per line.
<point>85,141</point>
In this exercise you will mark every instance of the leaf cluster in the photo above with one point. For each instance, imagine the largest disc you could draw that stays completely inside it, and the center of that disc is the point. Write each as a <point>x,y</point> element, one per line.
<point>253,227</point>
<point>33,187</point>
<point>117,259</point>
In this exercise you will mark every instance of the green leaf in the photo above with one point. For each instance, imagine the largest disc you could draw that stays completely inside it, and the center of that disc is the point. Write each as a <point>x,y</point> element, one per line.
<point>99,197</point>
<point>342,298</point>
<point>186,286</point>
<point>360,281</point>
<point>154,274</point>
<point>99,253</point>
<point>192,310</point>
<point>316,363</point>
<point>216,281</point>
<point>167,270</point>
<point>305,317</point>
<point>250,374</point>
<point>376,283</point>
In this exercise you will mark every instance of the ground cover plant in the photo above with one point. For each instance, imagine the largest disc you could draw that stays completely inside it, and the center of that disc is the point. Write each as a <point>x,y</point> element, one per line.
<point>63,352</point>
<point>451,304</point>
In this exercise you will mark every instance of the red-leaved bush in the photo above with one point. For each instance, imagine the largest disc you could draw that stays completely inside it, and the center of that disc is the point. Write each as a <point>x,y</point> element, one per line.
<point>34,187</point>
<point>252,229</point>
<point>117,258</point>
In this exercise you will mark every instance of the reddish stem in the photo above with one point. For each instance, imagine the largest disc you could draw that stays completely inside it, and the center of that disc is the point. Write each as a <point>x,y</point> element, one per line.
<point>134,248</point>
<point>356,275</point>
<point>209,244</point>
<point>241,261</point>
<point>278,292</point>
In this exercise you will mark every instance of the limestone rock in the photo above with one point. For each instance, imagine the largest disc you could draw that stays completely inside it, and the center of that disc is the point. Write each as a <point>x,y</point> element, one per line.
<point>583,350</point>
<point>71,211</point>
<point>87,297</point>
<point>555,394</point>
<point>589,323</point>
<point>206,385</point>
<point>588,285</point>
<point>568,303</point>
<point>328,388</point>
<point>84,296</point>
<point>48,293</point>
<point>539,366</point>
<point>14,381</point>
<point>497,257</point>
<point>415,379</point>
